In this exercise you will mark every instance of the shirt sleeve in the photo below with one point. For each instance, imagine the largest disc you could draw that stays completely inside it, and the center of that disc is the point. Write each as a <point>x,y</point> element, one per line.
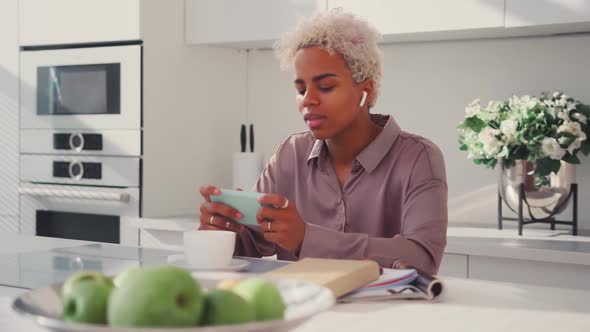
<point>424,223</point>
<point>251,242</point>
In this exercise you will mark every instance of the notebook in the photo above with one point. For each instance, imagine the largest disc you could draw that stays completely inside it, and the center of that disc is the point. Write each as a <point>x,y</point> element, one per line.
<point>398,284</point>
<point>388,279</point>
<point>339,275</point>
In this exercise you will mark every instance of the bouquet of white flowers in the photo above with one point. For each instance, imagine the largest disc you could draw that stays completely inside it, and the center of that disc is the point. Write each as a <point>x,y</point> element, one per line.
<point>543,130</point>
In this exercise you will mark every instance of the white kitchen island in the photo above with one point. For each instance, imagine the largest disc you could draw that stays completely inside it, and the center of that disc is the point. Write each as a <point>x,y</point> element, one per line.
<point>468,305</point>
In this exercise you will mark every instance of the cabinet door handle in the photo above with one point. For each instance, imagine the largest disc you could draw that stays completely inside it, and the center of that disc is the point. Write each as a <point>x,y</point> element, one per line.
<point>75,194</point>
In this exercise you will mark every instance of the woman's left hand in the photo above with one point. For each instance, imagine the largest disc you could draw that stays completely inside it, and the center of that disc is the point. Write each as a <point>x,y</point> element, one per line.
<point>285,228</point>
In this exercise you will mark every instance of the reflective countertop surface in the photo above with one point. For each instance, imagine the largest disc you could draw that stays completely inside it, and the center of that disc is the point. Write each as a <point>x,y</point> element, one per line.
<point>41,268</point>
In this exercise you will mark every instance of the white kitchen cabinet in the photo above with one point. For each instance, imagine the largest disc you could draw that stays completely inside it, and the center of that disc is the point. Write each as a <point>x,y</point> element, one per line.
<point>258,23</point>
<point>45,22</point>
<point>529,272</point>
<point>530,13</point>
<point>251,22</point>
<point>454,265</point>
<point>393,18</point>
<point>9,92</point>
<point>9,224</point>
<point>10,268</point>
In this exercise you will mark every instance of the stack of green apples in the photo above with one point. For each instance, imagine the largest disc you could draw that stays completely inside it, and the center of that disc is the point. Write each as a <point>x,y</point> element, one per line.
<point>167,296</point>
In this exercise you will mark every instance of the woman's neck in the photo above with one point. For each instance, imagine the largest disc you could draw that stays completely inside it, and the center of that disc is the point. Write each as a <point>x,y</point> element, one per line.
<point>351,141</point>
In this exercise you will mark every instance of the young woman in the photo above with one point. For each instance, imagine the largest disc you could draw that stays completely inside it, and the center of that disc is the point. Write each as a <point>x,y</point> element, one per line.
<point>355,186</point>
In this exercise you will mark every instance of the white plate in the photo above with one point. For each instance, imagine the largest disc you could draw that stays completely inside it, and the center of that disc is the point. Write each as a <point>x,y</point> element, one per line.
<point>235,264</point>
<point>303,300</point>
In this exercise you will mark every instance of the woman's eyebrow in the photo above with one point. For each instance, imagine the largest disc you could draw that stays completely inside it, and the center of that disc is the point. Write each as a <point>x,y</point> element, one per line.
<point>316,78</point>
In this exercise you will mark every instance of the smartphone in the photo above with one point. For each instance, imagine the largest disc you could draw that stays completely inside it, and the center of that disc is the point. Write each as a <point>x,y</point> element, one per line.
<point>244,201</point>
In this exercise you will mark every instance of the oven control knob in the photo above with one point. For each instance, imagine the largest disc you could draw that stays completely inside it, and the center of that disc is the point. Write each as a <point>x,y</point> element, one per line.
<point>77,142</point>
<point>76,170</point>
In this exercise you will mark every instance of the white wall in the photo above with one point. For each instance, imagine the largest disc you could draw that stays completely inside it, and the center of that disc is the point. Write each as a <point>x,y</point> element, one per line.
<point>193,98</point>
<point>427,85</point>
<point>8,115</point>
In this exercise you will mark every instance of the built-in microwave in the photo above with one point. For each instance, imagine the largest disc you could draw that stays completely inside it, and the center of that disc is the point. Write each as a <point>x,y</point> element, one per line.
<point>90,88</point>
<point>80,141</point>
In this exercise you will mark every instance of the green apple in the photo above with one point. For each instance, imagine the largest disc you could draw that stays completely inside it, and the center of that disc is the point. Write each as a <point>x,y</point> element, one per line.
<point>225,307</point>
<point>84,276</point>
<point>86,302</point>
<point>156,296</point>
<point>263,296</point>
<point>121,277</point>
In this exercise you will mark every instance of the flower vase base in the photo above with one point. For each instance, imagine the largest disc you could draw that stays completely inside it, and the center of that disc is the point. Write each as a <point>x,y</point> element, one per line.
<point>548,220</point>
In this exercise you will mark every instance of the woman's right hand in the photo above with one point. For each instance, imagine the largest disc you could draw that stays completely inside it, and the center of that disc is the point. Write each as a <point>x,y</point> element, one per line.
<point>218,216</point>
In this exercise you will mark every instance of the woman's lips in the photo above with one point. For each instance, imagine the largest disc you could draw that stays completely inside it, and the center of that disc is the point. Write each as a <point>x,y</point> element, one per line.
<point>314,121</point>
<point>314,124</point>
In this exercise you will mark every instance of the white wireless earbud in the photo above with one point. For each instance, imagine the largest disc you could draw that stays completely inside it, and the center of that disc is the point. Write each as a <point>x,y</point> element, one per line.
<point>363,99</point>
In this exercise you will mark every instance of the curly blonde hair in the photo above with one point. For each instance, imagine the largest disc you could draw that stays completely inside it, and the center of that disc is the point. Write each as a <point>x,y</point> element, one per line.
<point>337,32</point>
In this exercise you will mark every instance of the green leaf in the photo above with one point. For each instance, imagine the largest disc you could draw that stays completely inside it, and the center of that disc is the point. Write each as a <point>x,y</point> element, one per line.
<point>463,147</point>
<point>546,165</point>
<point>567,142</point>
<point>584,109</point>
<point>571,158</point>
<point>507,163</point>
<point>477,161</point>
<point>518,152</point>
<point>539,138</point>
<point>490,163</point>
<point>474,123</point>
<point>566,134</point>
<point>586,147</point>
<point>542,181</point>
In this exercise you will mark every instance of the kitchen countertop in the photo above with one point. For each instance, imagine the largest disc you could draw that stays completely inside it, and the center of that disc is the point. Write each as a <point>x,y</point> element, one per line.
<point>536,244</point>
<point>511,232</point>
<point>12,243</point>
<point>467,304</point>
<point>27,269</point>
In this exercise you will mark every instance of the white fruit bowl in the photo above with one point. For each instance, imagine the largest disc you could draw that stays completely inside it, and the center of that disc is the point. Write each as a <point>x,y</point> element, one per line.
<point>303,299</point>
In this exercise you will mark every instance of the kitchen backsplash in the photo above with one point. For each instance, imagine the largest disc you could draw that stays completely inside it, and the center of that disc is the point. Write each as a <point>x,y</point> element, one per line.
<point>426,86</point>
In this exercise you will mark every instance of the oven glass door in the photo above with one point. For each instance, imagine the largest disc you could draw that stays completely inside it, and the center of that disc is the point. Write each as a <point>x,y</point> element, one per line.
<point>78,226</point>
<point>103,214</point>
<point>83,89</point>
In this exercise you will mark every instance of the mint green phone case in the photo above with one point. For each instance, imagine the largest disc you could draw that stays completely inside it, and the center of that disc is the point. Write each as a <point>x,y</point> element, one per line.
<point>244,201</point>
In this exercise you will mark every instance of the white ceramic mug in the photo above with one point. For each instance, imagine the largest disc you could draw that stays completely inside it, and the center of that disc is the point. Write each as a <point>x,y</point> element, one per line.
<point>209,249</point>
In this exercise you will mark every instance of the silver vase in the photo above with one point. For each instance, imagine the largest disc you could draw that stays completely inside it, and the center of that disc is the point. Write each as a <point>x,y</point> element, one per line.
<point>544,197</point>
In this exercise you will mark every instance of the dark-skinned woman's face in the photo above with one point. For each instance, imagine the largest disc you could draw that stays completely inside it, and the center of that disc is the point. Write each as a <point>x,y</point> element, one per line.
<point>327,97</point>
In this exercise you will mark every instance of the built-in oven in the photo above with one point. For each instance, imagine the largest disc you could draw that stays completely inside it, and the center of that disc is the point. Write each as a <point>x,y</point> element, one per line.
<point>80,212</point>
<point>80,142</point>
